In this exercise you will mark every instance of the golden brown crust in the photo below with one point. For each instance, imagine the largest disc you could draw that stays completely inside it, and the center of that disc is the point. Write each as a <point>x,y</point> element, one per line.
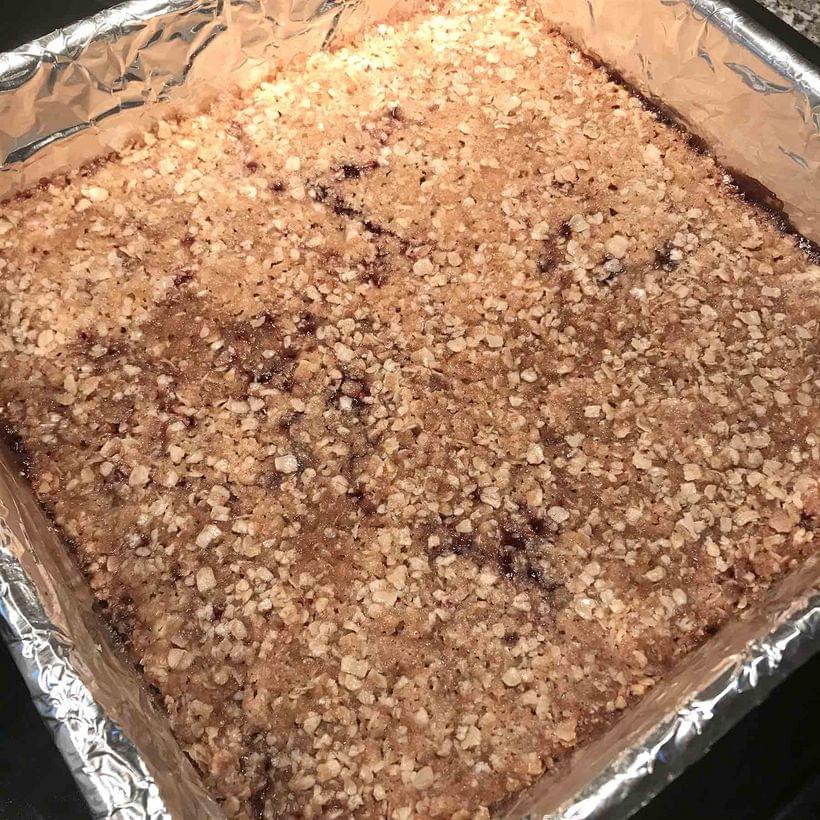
<point>412,414</point>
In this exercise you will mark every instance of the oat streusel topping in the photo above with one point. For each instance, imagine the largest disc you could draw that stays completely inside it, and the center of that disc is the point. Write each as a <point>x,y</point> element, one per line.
<point>413,413</point>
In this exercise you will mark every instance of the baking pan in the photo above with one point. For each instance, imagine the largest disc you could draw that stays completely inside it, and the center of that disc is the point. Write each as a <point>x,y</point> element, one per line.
<point>81,93</point>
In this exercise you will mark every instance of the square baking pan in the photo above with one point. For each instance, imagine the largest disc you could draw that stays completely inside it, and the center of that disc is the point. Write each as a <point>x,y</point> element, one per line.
<point>83,92</point>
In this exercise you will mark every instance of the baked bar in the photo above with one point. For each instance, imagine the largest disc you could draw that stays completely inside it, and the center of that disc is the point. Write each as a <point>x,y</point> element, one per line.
<point>412,414</point>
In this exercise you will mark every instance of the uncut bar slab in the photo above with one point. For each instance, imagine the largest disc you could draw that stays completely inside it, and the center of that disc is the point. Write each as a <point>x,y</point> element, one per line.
<point>412,414</point>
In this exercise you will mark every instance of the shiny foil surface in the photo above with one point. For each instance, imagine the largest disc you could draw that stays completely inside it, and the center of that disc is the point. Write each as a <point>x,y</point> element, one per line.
<point>87,693</point>
<point>80,93</point>
<point>753,100</point>
<point>680,719</point>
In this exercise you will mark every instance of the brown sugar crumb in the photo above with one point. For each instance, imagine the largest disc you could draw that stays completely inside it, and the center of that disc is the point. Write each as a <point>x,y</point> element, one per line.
<point>412,414</point>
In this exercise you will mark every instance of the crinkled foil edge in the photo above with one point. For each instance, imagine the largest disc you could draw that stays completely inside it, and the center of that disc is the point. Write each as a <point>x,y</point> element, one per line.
<point>118,747</point>
<point>82,92</point>
<point>749,97</point>
<point>679,720</point>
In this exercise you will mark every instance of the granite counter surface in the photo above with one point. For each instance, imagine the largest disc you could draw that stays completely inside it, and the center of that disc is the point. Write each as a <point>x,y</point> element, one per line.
<point>803,15</point>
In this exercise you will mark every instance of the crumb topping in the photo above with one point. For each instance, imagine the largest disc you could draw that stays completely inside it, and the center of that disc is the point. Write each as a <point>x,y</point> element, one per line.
<point>413,413</point>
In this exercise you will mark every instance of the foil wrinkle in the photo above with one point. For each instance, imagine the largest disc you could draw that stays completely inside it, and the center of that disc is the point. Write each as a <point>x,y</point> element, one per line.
<point>753,100</point>
<point>676,723</point>
<point>82,687</point>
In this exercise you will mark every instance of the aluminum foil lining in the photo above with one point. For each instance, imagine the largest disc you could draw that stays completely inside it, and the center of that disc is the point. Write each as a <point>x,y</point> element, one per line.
<point>752,99</point>
<point>82,92</point>
<point>678,721</point>
<point>86,692</point>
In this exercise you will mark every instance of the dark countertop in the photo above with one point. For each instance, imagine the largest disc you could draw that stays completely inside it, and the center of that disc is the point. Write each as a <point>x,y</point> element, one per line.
<point>803,15</point>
